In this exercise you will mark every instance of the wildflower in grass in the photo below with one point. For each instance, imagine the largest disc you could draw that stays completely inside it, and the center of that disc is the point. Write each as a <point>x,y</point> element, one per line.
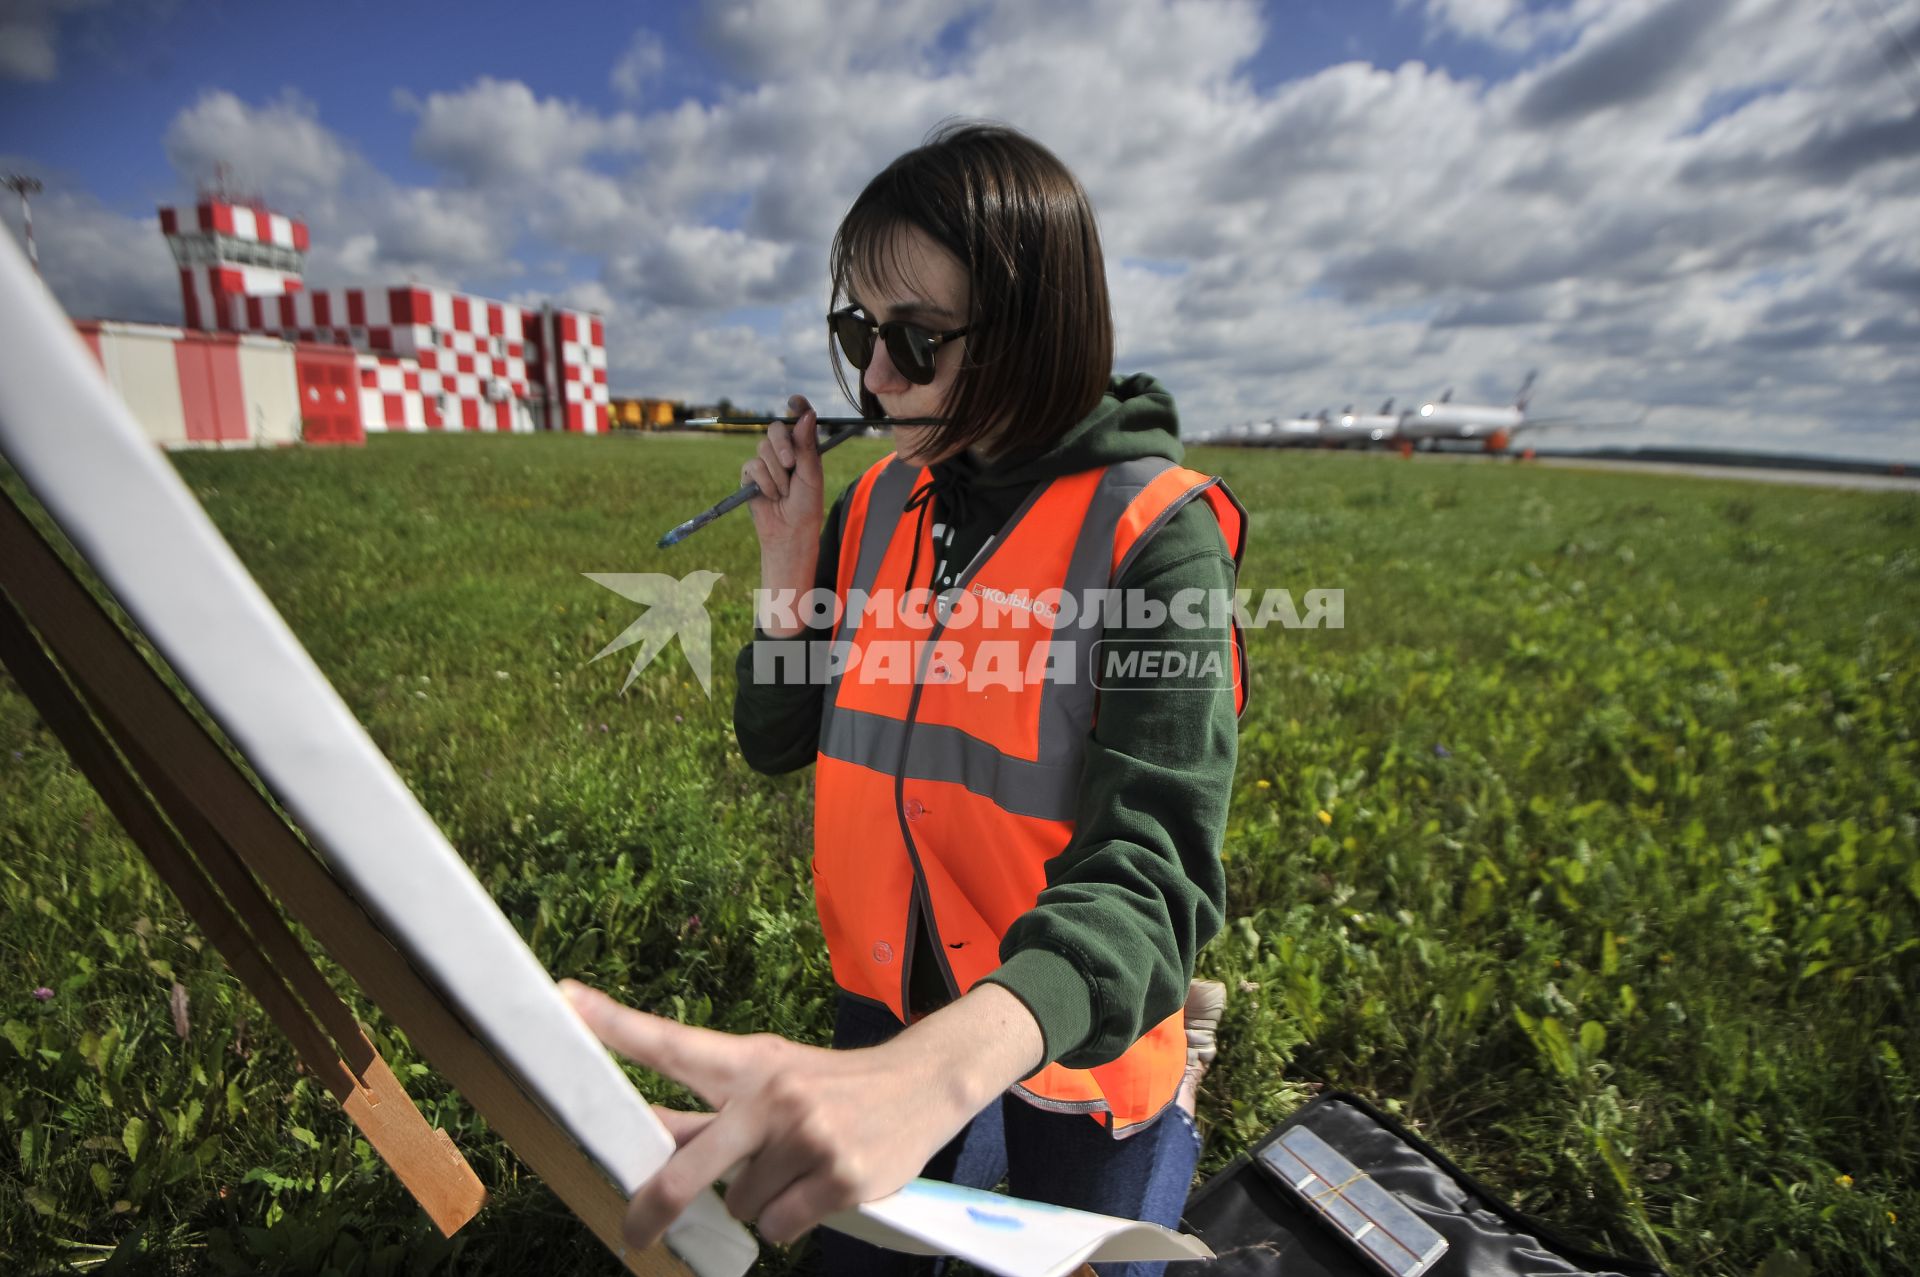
<point>1441,751</point>
<point>42,993</point>
<point>1263,783</point>
<point>1326,817</point>
<point>679,718</point>
<point>177,1003</point>
<point>500,674</point>
<point>1844,1181</point>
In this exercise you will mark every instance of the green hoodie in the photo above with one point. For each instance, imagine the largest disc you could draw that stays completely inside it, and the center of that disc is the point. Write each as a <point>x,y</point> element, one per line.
<point>1107,950</point>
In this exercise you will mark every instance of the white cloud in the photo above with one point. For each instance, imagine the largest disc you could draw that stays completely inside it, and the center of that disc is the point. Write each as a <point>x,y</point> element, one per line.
<point>99,262</point>
<point>30,36</point>
<point>365,227</point>
<point>498,131</point>
<point>279,148</point>
<point>644,59</point>
<point>786,39</point>
<point>1512,25</point>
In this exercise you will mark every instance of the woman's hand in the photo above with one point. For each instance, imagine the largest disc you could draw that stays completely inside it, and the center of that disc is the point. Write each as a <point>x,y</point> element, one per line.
<point>807,1132</point>
<point>787,513</point>
<point>787,468</point>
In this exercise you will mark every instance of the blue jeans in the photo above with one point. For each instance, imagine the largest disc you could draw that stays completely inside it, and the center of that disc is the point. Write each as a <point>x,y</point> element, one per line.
<point>1067,1159</point>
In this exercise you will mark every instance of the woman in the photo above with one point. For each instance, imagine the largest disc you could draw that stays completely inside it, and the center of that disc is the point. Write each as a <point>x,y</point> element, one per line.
<point>1016,848</point>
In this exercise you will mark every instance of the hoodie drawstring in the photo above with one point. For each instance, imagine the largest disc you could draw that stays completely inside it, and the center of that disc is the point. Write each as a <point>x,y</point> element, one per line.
<point>954,487</point>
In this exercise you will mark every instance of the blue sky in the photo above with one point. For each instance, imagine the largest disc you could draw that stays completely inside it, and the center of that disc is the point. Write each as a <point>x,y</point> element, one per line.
<point>1699,206</point>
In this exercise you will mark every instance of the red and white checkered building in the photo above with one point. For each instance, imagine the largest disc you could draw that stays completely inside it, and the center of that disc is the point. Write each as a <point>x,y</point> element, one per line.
<point>429,358</point>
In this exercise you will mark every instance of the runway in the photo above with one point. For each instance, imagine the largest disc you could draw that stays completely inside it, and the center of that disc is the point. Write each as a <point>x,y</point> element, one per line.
<point>1751,474</point>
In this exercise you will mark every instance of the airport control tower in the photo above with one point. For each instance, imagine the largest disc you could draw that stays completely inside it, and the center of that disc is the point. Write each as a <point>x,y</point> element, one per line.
<point>229,250</point>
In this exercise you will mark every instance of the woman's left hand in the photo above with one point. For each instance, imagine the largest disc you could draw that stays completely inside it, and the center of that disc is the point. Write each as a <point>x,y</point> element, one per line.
<point>804,1132</point>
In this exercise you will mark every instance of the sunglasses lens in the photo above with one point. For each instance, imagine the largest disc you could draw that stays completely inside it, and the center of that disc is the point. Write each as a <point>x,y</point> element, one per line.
<point>855,338</point>
<point>911,350</point>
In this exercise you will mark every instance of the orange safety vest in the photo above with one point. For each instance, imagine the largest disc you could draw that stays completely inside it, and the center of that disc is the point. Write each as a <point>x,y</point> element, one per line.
<point>949,768</point>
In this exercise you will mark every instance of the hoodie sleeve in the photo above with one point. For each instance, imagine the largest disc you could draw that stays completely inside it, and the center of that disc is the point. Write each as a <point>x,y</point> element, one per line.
<point>776,723</point>
<point>1107,950</point>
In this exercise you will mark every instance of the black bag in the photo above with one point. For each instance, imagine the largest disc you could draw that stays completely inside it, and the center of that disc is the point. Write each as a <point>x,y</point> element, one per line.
<point>1258,1228</point>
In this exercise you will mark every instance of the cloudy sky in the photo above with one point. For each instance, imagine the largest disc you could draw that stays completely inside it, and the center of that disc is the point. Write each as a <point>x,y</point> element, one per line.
<point>1706,207</point>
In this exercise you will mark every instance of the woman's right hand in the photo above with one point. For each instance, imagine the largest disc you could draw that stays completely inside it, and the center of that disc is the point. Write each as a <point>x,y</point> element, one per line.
<point>787,512</point>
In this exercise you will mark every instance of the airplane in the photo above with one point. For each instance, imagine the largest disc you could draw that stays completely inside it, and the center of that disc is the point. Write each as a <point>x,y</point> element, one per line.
<point>1300,431</point>
<point>1364,428</point>
<point>1496,424</point>
<point>1435,425</point>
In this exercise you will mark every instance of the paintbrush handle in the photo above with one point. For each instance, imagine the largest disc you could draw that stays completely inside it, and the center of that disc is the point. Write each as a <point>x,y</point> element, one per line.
<point>748,491</point>
<point>825,421</point>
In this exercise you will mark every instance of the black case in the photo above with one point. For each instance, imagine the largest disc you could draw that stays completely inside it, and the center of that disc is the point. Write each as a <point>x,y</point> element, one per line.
<point>1257,1229</point>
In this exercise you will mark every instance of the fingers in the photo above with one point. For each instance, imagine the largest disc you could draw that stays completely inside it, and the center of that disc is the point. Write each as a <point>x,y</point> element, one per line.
<point>803,1205</point>
<point>806,426</point>
<point>703,1061</point>
<point>806,436</point>
<point>681,1124</point>
<point>726,1141</point>
<point>804,1147</point>
<point>780,441</point>
<point>769,474</point>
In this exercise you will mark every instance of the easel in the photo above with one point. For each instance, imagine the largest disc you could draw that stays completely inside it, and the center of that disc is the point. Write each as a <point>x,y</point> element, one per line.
<point>227,854</point>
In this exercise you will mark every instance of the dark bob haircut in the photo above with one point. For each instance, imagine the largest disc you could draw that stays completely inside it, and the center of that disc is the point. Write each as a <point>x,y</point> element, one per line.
<point>1039,350</point>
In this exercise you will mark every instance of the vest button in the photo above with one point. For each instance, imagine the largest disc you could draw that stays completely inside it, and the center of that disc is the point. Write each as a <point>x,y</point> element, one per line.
<point>915,809</point>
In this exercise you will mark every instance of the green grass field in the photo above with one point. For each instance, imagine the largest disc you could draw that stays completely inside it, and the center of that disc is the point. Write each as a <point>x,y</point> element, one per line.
<point>1588,846</point>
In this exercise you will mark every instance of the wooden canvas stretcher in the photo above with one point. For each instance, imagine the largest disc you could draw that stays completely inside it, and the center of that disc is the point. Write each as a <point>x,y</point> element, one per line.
<point>354,859</point>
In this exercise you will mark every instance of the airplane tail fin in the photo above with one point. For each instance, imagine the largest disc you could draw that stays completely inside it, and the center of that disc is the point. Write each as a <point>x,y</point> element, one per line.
<point>1526,389</point>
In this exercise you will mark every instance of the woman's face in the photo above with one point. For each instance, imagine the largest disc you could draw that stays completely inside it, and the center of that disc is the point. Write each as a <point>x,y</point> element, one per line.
<point>930,290</point>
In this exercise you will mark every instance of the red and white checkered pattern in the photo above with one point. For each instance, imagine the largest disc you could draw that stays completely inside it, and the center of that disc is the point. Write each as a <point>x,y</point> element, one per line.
<point>226,249</point>
<point>578,370</point>
<point>430,358</point>
<point>397,394</point>
<point>252,222</point>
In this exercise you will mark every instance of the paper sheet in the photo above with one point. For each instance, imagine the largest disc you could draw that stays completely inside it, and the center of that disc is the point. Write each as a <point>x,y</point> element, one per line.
<point>1008,1235</point>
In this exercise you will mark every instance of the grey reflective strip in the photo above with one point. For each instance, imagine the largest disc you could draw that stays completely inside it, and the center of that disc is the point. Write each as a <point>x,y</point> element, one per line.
<point>1238,547</point>
<point>1061,1106</point>
<point>885,502</point>
<point>936,752</point>
<point>1091,1106</point>
<point>1066,712</point>
<point>1159,521</point>
<point>889,493</point>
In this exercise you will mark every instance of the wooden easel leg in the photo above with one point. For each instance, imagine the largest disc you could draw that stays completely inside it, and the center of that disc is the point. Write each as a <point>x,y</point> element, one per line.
<point>253,939</point>
<point>151,717</point>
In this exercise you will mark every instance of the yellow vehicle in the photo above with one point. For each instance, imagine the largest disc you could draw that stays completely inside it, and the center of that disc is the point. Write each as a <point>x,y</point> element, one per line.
<point>641,414</point>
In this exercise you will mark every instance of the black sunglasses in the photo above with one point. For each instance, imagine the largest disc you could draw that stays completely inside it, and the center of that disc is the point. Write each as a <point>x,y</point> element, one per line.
<point>910,346</point>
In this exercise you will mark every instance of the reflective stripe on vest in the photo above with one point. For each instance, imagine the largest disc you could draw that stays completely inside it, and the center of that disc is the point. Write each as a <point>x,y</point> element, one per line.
<point>952,743</point>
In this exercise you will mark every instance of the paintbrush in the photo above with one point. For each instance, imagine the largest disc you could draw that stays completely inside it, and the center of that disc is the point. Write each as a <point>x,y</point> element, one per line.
<point>825,421</point>
<point>748,491</point>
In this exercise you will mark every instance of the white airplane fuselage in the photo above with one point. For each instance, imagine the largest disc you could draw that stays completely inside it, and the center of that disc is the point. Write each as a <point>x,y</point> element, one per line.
<point>1462,421</point>
<point>1365,427</point>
